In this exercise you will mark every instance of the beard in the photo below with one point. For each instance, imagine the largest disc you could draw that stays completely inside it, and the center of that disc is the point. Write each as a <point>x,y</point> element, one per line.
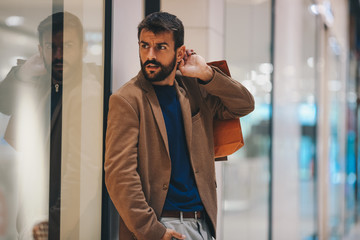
<point>56,74</point>
<point>164,72</point>
<point>65,71</point>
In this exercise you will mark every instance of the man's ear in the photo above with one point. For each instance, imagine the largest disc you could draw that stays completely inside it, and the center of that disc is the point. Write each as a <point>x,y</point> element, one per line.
<point>180,53</point>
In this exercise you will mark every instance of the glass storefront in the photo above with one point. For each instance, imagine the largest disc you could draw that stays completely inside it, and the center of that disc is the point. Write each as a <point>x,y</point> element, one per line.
<point>51,120</point>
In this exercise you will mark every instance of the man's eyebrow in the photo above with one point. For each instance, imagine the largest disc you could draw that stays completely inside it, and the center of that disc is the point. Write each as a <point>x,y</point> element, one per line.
<point>163,43</point>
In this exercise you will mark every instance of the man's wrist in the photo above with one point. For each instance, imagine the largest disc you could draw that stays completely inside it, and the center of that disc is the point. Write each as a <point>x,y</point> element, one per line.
<point>207,76</point>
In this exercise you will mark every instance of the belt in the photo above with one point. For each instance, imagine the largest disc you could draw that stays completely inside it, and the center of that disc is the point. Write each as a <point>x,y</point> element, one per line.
<point>180,214</point>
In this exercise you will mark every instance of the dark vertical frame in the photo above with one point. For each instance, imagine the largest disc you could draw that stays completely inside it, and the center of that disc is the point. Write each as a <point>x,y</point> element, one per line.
<point>55,153</point>
<point>106,208</point>
<point>151,6</point>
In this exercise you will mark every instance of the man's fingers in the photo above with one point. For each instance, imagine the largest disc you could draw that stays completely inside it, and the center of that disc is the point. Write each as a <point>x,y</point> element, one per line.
<point>190,52</point>
<point>177,235</point>
<point>170,233</point>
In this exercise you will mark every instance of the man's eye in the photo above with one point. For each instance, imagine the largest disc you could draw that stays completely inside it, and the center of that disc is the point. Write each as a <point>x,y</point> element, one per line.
<point>144,46</point>
<point>162,47</point>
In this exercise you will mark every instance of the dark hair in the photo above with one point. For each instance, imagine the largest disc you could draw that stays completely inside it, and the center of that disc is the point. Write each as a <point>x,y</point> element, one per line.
<point>56,22</point>
<point>164,22</point>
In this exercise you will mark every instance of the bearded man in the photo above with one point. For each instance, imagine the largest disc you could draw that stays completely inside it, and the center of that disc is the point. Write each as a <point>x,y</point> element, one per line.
<point>159,163</point>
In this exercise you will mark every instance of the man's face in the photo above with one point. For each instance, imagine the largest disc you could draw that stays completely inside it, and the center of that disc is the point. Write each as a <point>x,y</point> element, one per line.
<point>62,53</point>
<point>157,55</point>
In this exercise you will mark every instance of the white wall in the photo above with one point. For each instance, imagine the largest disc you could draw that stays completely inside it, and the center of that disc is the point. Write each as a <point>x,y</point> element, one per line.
<point>126,17</point>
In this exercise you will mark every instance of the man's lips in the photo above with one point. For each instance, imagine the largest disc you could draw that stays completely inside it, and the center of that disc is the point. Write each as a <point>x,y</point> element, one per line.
<point>152,67</point>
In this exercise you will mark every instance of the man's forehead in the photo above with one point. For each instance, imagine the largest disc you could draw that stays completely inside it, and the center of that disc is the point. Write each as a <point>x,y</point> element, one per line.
<point>162,36</point>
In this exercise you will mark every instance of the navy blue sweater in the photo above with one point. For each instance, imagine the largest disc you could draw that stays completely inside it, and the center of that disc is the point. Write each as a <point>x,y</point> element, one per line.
<point>183,194</point>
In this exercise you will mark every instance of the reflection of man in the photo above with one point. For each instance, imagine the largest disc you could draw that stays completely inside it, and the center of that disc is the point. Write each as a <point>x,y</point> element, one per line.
<point>159,161</point>
<point>46,93</point>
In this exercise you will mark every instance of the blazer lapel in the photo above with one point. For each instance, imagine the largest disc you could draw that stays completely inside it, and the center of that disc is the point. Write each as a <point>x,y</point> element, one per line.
<point>156,109</point>
<point>186,113</point>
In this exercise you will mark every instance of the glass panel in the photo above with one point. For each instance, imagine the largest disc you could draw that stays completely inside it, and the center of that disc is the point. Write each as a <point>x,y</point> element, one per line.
<point>307,110</point>
<point>82,114</point>
<point>51,119</point>
<point>24,120</point>
<point>246,174</point>
<point>336,159</point>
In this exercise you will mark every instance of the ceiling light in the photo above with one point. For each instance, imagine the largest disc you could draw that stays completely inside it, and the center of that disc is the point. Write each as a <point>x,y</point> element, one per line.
<point>13,21</point>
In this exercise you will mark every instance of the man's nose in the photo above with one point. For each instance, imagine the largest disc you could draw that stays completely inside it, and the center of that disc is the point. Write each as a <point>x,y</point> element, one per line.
<point>151,53</point>
<point>58,52</point>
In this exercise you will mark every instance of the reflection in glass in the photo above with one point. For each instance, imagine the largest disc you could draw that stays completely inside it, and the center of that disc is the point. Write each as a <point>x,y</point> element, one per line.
<point>51,125</point>
<point>24,122</point>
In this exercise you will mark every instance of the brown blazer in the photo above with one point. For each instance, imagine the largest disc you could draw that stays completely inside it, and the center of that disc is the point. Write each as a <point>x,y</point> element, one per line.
<point>137,161</point>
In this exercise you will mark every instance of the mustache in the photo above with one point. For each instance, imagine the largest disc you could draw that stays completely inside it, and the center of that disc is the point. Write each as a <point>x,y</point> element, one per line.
<point>152,62</point>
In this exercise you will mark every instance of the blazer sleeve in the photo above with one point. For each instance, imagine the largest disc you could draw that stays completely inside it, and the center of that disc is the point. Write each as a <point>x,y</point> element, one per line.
<point>226,97</point>
<point>8,89</point>
<point>121,177</point>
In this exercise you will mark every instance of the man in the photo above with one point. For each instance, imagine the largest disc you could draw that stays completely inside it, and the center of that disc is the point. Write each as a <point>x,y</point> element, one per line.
<point>44,95</point>
<point>159,164</point>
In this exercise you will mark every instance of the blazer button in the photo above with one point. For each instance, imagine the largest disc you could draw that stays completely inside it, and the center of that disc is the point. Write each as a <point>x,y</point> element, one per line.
<point>165,187</point>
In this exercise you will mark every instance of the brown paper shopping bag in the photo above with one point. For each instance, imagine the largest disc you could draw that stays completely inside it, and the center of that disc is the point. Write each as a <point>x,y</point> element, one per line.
<point>228,136</point>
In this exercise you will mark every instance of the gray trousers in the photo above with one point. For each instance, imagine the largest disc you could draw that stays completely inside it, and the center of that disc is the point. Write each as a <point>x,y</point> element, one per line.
<point>193,229</point>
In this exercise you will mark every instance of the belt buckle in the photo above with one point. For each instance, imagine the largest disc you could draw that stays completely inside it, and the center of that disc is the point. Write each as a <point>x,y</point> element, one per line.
<point>196,217</point>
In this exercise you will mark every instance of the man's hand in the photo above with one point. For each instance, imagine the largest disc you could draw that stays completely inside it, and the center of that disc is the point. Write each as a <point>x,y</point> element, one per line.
<point>40,231</point>
<point>169,234</point>
<point>193,65</point>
